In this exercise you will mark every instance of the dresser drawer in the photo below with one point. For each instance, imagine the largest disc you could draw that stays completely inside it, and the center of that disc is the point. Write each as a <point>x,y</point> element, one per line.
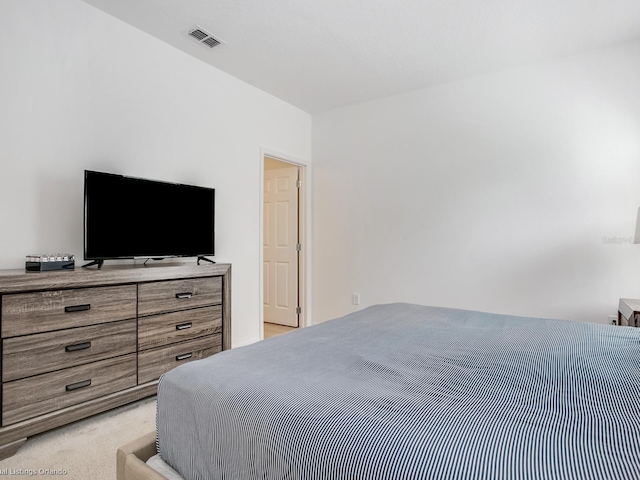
<point>30,397</point>
<point>27,313</point>
<point>46,352</point>
<point>159,330</point>
<point>160,297</point>
<point>153,363</point>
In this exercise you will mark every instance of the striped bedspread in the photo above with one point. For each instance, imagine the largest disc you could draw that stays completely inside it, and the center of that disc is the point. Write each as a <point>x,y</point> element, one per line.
<point>411,392</point>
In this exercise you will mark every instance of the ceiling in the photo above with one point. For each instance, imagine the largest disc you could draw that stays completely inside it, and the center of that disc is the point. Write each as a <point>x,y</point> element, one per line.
<point>323,54</point>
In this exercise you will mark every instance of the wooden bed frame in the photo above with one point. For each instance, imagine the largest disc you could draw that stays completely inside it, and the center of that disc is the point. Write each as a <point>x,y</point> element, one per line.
<point>131,458</point>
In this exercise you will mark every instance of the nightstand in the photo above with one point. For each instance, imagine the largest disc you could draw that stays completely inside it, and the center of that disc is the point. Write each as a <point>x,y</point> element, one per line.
<point>629,312</point>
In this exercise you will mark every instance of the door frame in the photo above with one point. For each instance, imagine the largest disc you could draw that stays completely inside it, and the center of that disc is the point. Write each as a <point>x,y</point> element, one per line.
<point>304,228</point>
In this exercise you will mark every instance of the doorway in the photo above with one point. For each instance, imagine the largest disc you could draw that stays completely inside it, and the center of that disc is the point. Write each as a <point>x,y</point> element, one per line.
<point>283,249</point>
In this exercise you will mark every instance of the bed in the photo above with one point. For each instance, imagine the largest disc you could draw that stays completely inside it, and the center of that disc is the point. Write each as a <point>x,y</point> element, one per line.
<point>410,392</point>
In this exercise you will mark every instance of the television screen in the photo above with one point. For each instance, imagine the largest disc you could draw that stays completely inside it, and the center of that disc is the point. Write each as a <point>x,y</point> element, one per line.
<point>126,217</point>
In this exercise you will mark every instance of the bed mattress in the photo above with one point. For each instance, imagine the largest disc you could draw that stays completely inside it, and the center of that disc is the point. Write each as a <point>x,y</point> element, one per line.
<point>405,391</point>
<point>163,468</point>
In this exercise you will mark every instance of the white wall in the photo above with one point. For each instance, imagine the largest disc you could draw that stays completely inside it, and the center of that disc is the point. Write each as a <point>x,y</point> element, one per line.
<point>492,193</point>
<point>82,90</point>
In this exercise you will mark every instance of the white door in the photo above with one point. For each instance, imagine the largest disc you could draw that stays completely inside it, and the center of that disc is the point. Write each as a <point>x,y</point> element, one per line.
<point>280,240</point>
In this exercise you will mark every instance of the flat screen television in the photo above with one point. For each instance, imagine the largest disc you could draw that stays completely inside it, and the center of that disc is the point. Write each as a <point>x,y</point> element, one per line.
<point>127,217</point>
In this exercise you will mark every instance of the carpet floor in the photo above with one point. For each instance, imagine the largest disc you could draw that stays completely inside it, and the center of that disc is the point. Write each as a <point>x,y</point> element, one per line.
<point>83,450</point>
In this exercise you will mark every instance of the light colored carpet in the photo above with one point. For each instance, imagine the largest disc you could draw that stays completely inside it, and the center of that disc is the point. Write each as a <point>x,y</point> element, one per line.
<point>84,450</point>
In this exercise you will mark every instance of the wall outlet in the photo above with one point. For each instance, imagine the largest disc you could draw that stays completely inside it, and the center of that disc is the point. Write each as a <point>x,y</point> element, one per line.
<point>355,298</point>
<point>613,319</point>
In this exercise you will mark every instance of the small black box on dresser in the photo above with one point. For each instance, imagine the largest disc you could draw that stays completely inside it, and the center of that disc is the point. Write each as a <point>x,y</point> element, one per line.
<point>49,262</point>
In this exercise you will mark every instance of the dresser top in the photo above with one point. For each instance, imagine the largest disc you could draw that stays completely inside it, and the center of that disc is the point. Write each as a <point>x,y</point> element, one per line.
<point>13,281</point>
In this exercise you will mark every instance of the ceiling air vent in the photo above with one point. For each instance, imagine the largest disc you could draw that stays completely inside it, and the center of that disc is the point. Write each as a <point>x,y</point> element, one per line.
<point>205,38</point>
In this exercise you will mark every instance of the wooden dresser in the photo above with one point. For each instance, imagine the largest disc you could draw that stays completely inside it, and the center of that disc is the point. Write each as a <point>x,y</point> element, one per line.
<point>77,343</point>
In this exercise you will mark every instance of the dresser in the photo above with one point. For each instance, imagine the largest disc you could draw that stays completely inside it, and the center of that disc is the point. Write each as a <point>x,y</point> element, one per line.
<point>77,343</point>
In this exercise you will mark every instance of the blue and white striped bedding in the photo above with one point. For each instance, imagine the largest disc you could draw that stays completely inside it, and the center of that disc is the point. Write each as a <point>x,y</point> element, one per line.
<point>411,392</point>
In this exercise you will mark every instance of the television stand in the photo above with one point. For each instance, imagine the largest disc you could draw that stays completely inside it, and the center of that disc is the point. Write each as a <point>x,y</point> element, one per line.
<point>126,314</point>
<point>151,258</point>
<point>200,257</point>
<point>95,262</point>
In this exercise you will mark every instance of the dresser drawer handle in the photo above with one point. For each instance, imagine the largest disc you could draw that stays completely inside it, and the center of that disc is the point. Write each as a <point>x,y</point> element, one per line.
<point>184,295</point>
<point>77,346</point>
<point>77,385</point>
<point>183,326</point>
<point>78,308</point>
<point>184,356</point>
